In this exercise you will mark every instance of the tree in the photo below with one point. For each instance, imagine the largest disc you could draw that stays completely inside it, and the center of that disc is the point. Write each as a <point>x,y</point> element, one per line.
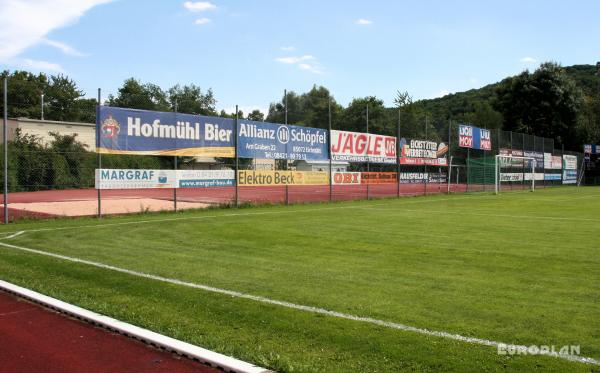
<point>484,116</point>
<point>61,99</point>
<point>136,95</point>
<point>310,109</point>
<point>545,103</point>
<point>190,99</point>
<point>256,115</point>
<point>354,117</point>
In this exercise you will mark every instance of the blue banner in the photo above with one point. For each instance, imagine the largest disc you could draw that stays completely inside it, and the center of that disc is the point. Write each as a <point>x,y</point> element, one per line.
<point>143,132</point>
<point>278,141</point>
<point>474,137</point>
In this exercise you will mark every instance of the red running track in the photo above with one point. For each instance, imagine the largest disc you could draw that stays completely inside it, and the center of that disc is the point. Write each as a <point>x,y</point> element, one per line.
<point>247,194</point>
<point>35,339</point>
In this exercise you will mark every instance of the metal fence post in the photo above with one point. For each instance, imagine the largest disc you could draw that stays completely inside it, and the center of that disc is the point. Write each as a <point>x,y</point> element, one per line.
<point>368,160</point>
<point>5,143</point>
<point>398,150</point>
<point>287,196</point>
<point>98,152</point>
<point>330,160</point>
<point>237,165</point>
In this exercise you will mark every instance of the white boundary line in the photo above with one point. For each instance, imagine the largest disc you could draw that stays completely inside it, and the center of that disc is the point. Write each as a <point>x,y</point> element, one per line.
<point>311,309</point>
<point>208,357</point>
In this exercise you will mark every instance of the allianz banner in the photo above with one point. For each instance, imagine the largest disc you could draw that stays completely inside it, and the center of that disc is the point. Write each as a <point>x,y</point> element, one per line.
<point>362,147</point>
<point>474,138</point>
<point>423,152</point>
<point>278,141</point>
<point>143,132</point>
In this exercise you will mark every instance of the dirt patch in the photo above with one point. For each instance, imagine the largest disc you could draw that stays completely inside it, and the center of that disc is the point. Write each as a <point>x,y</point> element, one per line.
<point>109,206</point>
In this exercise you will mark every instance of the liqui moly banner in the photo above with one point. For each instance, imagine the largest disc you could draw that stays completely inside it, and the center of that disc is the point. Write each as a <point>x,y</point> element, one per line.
<point>143,132</point>
<point>423,152</point>
<point>362,147</point>
<point>474,137</point>
<point>278,141</point>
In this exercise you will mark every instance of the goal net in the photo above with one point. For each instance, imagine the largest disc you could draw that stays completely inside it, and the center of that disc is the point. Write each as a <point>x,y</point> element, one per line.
<point>515,173</point>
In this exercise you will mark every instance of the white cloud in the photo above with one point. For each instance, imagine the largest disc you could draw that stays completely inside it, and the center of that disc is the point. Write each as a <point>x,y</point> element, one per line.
<point>473,81</point>
<point>363,22</point>
<point>442,93</point>
<point>528,60</point>
<point>287,49</point>
<point>202,21</point>
<point>294,59</point>
<point>199,6</point>
<point>66,49</point>
<point>311,68</point>
<point>42,65</point>
<point>27,22</point>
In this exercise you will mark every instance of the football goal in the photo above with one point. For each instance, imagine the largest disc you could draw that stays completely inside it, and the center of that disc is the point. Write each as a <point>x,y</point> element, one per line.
<point>514,172</point>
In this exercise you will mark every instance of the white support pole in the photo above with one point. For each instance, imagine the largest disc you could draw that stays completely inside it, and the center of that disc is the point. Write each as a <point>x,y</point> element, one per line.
<point>533,165</point>
<point>449,174</point>
<point>496,169</point>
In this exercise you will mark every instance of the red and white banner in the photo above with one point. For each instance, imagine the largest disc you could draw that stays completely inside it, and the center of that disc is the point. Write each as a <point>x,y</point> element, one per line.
<point>362,147</point>
<point>346,178</point>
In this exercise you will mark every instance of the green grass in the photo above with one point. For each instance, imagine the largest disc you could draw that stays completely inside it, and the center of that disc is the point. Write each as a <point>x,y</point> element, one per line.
<point>519,268</point>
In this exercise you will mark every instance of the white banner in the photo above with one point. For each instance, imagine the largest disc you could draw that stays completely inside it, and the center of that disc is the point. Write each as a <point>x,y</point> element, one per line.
<point>134,179</point>
<point>570,162</point>
<point>552,162</point>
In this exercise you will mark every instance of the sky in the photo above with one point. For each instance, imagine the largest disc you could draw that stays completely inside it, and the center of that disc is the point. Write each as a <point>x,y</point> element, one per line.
<point>248,52</point>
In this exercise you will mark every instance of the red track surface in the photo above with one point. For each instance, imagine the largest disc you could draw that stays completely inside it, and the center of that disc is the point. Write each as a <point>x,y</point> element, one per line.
<point>34,339</point>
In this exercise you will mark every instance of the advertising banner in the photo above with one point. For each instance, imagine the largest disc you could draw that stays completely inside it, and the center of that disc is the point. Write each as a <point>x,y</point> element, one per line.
<point>422,177</point>
<point>569,162</point>
<point>511,176</point>
<point>362,147</point>
<point>539,158</point>
<point>423,152</point>
<point>268,178</point>
<point>552,162</point>
<point>135,179</point>
<point>378,178</point>
<point>515,163</point>
<point>346,178</point>
<point>552,177</point>
<point>278,141</point>
<point>569,177</point>
<point>205,178</point>
<point>143,132</point>
<point>591,149</point>
<point>474,137</point>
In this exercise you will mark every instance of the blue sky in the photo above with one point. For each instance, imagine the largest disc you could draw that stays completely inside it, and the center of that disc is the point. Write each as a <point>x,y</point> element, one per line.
<point>248,52</point>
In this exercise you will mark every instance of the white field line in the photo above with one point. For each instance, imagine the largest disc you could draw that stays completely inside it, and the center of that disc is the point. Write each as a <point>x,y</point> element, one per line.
<point>311,309</point>
<point>287,211</point>
<point>15,234</point>
<point>480,214</point>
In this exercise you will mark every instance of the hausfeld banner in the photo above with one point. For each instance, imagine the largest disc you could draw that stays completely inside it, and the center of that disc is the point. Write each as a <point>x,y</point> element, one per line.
<point>152,179</point>
<point>423,177</point>
<point>278,141</point>
<point>266,178</point>
<point>362,147</point>
<point>423,152</point>
<point>474,138</point>
<point>142,132</point>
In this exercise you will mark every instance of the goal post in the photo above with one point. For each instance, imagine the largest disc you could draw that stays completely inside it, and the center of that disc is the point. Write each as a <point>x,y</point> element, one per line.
<point>511,170</point>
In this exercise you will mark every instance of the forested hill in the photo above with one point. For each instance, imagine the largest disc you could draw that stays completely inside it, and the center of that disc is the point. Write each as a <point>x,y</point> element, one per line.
<point>456,105</point>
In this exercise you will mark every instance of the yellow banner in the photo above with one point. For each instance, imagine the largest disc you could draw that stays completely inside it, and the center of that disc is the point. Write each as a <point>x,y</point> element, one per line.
<point>249,177</point>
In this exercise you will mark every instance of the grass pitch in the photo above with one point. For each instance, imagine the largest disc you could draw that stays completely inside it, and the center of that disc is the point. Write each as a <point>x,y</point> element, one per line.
<point>520,268</point>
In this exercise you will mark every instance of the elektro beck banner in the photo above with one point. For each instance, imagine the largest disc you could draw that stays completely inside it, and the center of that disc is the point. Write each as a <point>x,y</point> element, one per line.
<point>362,147</point>
<point>143,132</point>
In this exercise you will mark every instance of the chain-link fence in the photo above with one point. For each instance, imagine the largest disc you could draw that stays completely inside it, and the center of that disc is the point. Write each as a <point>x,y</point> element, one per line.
<point>56,176</point>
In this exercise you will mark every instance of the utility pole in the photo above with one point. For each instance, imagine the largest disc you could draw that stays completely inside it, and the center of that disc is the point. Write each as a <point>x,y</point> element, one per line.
<point>42,105</point>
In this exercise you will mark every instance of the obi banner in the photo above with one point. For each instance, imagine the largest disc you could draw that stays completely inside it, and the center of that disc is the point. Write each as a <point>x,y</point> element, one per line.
<point>278,141</point>
<point>266,178</point>
<point>362,147</point>
<point>142,132</point>
<point>474,138</point>
<point>423,152</point>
